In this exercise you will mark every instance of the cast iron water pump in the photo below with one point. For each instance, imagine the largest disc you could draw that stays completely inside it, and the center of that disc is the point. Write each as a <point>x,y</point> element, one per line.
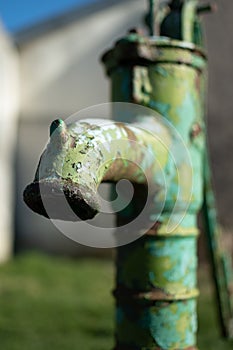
<point>156,288</point>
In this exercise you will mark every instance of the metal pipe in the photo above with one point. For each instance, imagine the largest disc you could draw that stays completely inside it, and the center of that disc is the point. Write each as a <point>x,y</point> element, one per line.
<point>81,155</point>
<point>156,275</point>
<point>156,287</point>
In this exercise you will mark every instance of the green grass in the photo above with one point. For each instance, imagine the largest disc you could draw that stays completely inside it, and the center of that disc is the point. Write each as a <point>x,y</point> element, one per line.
<point>62,304</point>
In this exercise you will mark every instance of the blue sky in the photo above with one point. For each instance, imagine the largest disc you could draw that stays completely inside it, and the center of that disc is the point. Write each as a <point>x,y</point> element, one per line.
<point>19,14</point>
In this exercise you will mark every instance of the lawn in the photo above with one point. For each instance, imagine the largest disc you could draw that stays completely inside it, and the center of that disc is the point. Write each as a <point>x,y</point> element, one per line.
<point>58,303</point>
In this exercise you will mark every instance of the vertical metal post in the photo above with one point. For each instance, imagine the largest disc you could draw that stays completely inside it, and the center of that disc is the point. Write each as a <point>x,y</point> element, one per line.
<point>151,273</point>
<point>156,275</point>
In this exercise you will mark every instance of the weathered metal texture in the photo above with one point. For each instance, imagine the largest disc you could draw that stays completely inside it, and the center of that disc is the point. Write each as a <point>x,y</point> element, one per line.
<point>190,30</point>
<point>156,276</point>
<point>175,281</point>
<point>81,155</point>
<point>161,325</point>
<point>155,292</point>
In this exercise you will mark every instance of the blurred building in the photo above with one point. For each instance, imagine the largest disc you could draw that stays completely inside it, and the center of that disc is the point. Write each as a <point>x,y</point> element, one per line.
<point>60,74</point>
<point>9,111</point>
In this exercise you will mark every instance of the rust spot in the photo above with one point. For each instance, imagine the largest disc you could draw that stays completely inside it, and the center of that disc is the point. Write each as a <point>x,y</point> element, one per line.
<point>154,229</point>
<point>72,142</point>
<point>196,130</point>
<point>130,134</point>
<point>83,202</point>
<point>198,81</point>
<point>128,295</point>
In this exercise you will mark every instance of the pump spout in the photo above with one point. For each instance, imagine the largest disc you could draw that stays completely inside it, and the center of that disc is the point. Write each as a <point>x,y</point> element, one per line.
<point>81,155</point>
<point>50,186</point>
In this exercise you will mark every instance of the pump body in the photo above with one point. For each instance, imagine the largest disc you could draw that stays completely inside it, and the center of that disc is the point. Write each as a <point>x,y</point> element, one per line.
<point>156,287</point>
<point>156,275</point>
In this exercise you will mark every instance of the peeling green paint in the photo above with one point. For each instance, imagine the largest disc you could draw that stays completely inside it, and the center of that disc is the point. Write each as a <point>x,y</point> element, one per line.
<point>161,269</point>
<point>156,283</point>
<point>167,264</point>
<point>171,325</point>
<point>94,149</point>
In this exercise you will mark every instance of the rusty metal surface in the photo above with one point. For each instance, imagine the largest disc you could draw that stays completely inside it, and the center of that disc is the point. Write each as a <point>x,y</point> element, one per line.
<point>156,283</point>
<point>161,266</point>
<point>54,191</point>
<point>80,156</point>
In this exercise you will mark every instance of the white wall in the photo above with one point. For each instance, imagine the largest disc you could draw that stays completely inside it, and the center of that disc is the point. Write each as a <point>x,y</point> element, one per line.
<point>61,74</point>
<point>9,110</point>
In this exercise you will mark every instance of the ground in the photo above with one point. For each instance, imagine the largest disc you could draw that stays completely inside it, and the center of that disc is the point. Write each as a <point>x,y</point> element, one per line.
<point>60,303</point>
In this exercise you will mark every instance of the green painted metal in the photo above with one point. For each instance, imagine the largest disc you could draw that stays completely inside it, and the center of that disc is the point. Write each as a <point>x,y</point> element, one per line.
<point>156,283</point>
<point>81,155</point>
<point>157,274</point>
<point>222,273</point>
<point>190,30</point>
<point>170,78</point>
